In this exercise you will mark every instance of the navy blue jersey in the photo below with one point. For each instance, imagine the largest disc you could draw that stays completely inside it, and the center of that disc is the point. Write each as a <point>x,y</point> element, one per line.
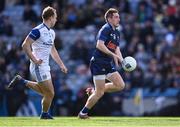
<point>111,38</point>
<point>101,63</point>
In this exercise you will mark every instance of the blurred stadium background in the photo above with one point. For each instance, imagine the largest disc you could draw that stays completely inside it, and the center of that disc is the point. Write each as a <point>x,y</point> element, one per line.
<point>150,33</point>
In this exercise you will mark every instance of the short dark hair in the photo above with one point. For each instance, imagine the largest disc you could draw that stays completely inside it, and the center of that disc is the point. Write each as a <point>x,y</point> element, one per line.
<point>109,13</point>
<point>48,12</point>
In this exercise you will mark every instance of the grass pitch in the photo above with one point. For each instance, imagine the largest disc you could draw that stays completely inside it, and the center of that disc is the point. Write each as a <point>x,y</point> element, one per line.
<point>92,122</point>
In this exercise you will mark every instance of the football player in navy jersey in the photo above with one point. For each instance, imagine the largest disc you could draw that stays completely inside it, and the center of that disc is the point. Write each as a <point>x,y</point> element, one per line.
<point>106,57</point>
<point>39,45</point>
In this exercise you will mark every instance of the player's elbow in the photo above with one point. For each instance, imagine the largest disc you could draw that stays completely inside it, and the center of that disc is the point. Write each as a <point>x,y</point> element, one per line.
<point>23,46</point>
<point>99,46</point>
<point>26,44</point>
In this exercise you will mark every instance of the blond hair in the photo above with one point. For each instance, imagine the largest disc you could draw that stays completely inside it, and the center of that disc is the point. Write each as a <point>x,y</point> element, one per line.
<point>48,12</point>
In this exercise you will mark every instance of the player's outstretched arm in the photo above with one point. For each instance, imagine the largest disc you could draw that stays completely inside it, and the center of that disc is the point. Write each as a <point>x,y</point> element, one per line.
<point>58,60</point>
<point>27,48</point>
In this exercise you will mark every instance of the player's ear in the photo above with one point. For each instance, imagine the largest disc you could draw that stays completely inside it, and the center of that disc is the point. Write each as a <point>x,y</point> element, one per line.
<point>109,19</point>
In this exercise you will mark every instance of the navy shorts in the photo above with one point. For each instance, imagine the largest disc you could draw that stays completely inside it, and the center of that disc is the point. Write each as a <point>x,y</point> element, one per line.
<point>99,67</point>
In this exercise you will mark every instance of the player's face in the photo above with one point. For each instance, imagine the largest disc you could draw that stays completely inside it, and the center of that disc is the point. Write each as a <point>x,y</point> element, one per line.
<point>53,20</point>
<point>115,20</point>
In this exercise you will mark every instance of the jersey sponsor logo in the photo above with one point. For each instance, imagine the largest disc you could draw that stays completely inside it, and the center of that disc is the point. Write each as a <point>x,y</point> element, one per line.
<point>46,34</point>
<point>111,45</point>
<point>44,43</point>
<point>48,43</point>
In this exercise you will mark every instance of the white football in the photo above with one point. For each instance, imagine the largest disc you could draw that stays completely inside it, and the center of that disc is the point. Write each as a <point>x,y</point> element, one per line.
<point>129,63</point>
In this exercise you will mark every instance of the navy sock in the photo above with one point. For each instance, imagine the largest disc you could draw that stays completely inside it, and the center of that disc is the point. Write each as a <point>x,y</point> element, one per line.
<point>44,112</point>
<point>85,110</point>
<point>23,81</point>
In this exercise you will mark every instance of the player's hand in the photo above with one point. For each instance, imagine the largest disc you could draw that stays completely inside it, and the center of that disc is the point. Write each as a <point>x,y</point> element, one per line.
<point>64,69</point>
<point>117,60</point>
<point>123,63</point>
<point>38,62</point>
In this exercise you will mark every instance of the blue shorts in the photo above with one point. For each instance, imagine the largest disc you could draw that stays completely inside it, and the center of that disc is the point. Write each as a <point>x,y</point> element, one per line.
<point>99,67</point>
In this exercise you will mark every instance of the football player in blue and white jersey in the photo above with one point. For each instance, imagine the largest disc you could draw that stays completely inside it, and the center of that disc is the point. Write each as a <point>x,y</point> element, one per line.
<point>39,45</point>
<point>106,57</point>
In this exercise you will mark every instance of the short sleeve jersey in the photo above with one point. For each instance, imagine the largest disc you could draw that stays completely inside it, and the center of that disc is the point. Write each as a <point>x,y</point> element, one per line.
<point>43,41</point>
<point>111,40</point>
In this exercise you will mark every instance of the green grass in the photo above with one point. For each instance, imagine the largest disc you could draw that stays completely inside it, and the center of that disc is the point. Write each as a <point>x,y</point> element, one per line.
<point>92,122</point>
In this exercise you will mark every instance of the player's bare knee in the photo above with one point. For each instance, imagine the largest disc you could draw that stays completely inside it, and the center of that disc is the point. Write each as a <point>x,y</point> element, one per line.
<point>50,95</point>
<point>122,86</point>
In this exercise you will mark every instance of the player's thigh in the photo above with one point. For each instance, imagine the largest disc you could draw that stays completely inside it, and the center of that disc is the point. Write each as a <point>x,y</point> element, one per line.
<point>47,87</point>
<point>116,79</point>
<point>39,73</point>
<point>99,83</point>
